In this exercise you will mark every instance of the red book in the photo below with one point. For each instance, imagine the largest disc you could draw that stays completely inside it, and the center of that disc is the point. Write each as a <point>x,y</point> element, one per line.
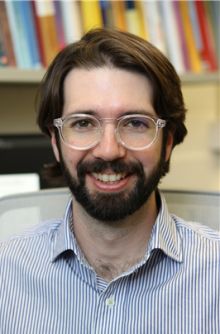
<point>39,36</point>
<point>208,50</point>
<point>183,42</point>
<point>46,23</point>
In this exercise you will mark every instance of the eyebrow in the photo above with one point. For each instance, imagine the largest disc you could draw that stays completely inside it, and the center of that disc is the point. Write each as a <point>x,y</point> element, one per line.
<point>129,112</point>
<point>139,112</point>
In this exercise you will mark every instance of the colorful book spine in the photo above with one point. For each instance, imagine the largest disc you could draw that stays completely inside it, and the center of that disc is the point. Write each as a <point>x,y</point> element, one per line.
<point>133,19</point>
<point>208,51</point>
<point>107,16</point>
<point>153,24</point>
<point>118,13</point>
<point>60,24</point>
<point>45,14</point>
<point>3,53</point>
<point>32,32</point>
<point>7,51</point>
<point>172,36</point>
<point>182,37</point>
<point>24,9</point>
<point>213,8</point>
<point>20,48</point>
<point>91,14</point>
<point>38,33</point>
<point>142,23</point>
<point>193,52</point>
<point>71,18</point>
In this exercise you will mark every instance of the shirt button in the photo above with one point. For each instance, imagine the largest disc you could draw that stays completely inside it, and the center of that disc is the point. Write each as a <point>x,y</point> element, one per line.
<point>110,301</point>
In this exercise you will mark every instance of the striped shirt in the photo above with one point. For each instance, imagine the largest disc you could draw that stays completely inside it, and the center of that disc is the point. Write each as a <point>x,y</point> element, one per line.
<point>46,287</point>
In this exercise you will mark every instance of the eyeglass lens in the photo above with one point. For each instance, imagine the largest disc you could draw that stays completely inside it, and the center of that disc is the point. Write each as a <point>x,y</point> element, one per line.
<point>85,131</point>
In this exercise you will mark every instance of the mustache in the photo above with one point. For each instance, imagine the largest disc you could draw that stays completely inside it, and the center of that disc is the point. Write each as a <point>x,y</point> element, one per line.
<point>117,166</point>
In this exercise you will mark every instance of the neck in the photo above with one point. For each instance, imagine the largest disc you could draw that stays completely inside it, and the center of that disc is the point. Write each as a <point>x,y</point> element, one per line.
<point>113,249</point>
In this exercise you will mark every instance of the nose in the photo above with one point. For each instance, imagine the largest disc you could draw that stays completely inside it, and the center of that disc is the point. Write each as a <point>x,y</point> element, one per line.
<point>109,148</point>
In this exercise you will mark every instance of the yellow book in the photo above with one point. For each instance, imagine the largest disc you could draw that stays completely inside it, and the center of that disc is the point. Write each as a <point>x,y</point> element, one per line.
<point>194,57</point>
<point>144,33</point>
<point>91,14</point>
<point>133,19</point>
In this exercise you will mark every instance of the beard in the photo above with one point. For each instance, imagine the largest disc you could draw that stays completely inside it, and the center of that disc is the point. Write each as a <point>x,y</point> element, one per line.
<point>111,207</point>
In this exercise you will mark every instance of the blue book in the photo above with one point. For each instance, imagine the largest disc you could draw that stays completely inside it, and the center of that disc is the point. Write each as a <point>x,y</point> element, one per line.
<point>12,18</point>
<point>29,32</point>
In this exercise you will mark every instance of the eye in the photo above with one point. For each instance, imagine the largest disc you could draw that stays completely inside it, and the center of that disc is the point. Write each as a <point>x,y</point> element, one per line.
<point>78,124</point>
<point>137,123</point>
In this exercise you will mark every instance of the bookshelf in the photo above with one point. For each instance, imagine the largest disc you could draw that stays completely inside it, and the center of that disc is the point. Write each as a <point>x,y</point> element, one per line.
<point>16,75</point>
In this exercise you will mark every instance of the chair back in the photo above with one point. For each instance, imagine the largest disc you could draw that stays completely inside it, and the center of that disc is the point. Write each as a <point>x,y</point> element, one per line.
<point>22,211</point>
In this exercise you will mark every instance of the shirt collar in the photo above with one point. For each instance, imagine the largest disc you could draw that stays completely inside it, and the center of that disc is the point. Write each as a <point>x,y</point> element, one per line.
<point>164,235</point>
<point>64,239</point>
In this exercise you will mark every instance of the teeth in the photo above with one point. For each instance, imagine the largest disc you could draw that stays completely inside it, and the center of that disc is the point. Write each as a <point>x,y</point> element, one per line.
<point>108,177</point>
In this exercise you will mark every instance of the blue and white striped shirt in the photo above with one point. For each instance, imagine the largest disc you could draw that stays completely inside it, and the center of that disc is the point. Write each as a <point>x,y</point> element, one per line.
<point>47,288</point>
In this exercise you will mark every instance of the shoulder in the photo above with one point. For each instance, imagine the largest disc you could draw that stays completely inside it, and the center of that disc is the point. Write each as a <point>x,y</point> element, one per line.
<point>198,241</point>
<point>197,230</point>
<point>38,235</point>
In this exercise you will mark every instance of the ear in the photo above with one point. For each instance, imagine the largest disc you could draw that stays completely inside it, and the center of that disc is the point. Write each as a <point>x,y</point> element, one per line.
<point>169,145</point>
<point>54,146</point>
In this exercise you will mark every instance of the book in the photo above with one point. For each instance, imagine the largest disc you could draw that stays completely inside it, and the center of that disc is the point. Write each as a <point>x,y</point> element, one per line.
<point>24,10</point>
<point>153,25</point>
<point>107,14</point>
<point>71,18</point>
<point>38,34</point>
<point>174,51</point>
<point>134,20</point>
<point>59,24</point>
<point>7,51</point>
<point>182,38</point>
<point>3,53</point>
<point>118,13</point>
<point>193,52</point>
<point>18,40</point>
<point>45,15</point>
<point>207,51</point>
<point>142,23</point>
<point>213,8</point>
<point>91,14</point>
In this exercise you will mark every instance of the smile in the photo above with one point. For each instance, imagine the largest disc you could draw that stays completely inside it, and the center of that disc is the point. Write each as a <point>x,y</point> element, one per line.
<point>108,177</point>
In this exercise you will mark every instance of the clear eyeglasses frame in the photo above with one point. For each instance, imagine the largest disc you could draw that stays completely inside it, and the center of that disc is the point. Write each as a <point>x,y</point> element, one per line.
<point>84,131</point>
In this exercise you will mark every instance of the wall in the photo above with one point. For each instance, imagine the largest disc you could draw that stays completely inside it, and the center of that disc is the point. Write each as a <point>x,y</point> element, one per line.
<point>195,165</point>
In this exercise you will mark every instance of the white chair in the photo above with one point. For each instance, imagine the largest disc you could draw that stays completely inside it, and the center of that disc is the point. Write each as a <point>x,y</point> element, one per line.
<point>21,211</point>
<point>197,206</point>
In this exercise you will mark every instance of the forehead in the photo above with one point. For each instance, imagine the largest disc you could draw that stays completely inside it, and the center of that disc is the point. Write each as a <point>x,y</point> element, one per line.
<point>107,91</point>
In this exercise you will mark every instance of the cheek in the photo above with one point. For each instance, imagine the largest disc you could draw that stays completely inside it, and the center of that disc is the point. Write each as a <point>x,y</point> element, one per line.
<point>149,158</point>
<point>71,158</point>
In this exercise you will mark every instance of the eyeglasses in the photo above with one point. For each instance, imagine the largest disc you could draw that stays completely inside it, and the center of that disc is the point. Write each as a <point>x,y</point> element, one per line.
<point>84,131</point>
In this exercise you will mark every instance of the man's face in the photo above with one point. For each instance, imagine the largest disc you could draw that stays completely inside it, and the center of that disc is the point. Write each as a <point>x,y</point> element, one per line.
<point>110,181</point>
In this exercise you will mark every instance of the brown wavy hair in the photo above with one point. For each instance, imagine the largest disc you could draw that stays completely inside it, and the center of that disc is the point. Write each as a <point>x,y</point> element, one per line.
<point>123,50</point>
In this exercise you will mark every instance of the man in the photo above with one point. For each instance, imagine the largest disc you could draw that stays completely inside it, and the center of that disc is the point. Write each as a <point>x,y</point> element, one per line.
<point>118,262</point>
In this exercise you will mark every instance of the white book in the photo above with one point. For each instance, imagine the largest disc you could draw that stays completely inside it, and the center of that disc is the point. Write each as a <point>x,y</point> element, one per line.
<point>71,20</point>
<point>173,40</point>
<point>154,25</point>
